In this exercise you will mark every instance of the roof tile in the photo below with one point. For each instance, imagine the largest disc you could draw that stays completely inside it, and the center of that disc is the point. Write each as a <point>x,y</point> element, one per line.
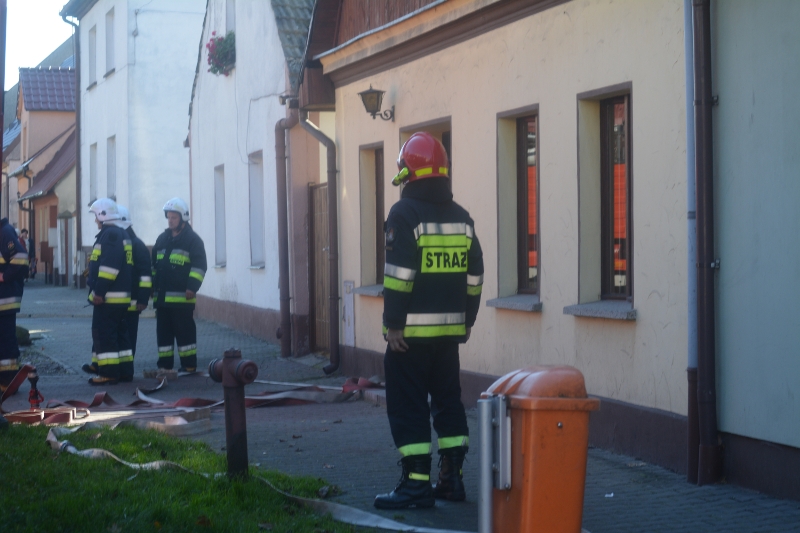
<point>48,88</point>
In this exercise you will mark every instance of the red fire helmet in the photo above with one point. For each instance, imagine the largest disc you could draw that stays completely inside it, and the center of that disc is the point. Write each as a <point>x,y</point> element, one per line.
<point>422,156</point>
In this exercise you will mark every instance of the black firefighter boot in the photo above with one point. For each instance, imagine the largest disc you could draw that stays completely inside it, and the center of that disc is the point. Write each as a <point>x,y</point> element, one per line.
<point>414,488</point>
<point>451,481</point>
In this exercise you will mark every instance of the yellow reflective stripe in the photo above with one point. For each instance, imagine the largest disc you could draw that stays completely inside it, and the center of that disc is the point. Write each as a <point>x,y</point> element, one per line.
<point>454,330</point>
<point>126,356</point>
<point>196,275</point>
<point>9,364</point>
<point>397,284</point>
<point>19,259</point>
<point>474,291</point>
<point>107,358</point>
<point>399,272</point>
<point>159,256</point>
<point>189,349</point>
<point>145,284</point>
<point>423,172</point>
<point>10,303</point>
<point>453,442</point>
<point>425,241</point>
<point>106,275</point>
<point>178,299</point>
<point>434,319</point>
<point>118,298</point>
<point>420,448</point>
<point>420,477</point>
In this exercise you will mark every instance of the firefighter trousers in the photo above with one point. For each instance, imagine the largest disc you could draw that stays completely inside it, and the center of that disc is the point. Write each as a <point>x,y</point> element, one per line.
<point>9,349</point>
<point>176,325</point>
<point>427,368</point>
<point>128,351</point>
<point>109,337</point>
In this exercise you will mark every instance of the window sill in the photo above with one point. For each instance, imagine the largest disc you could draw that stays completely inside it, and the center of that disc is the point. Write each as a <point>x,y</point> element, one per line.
<point>91,86</point>
<point>109,73</point>
<point>518,302</point>
<point>221,265</point>
<point>257,267</point>
<point>611,309</point>
<point>375,291</point>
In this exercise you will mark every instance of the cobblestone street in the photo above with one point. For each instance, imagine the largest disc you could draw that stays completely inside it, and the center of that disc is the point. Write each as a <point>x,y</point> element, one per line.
<point>349,444</point>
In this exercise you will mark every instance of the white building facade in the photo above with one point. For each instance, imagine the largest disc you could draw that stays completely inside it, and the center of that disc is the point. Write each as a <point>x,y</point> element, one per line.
<point>233,166</point>
<point>136,67</point>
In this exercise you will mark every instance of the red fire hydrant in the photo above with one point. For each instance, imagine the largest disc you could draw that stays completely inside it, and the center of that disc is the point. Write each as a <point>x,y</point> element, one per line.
<point>234,373</point>
<point>35,397</point>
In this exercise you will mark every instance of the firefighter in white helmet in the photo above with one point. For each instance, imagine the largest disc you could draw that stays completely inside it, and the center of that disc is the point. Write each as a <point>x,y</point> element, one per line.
<point>141,286</point>
<point>179,265</point>
<point>110,267</point>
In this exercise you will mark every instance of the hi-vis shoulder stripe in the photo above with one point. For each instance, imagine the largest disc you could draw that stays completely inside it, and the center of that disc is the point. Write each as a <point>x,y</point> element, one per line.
<point>448,228</point>
<point>406,274</point>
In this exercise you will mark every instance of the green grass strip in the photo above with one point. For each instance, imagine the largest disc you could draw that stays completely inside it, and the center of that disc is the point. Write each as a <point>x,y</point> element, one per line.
<point>44,490</point>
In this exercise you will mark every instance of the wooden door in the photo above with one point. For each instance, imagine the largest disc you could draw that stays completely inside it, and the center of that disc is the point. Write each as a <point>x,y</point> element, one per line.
<point>319,282</point>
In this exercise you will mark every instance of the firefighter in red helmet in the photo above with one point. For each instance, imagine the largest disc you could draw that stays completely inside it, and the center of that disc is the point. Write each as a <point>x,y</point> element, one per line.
<point>432,289</point>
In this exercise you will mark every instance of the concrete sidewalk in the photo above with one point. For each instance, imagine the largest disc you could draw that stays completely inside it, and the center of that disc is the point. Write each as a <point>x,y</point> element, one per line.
<point>349,444</point>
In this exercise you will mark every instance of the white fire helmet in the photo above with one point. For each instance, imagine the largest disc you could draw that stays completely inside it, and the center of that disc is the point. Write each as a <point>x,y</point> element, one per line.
<point>124,221</point>
<point>179,206</point>
<point>105,210</point>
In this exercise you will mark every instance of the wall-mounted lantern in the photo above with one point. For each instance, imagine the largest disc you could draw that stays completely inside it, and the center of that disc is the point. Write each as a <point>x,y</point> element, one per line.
<point>372,99</point>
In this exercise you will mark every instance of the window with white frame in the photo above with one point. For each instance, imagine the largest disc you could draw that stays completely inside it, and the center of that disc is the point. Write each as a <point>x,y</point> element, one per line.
<point>373,252</point>
<point>257,236</point>
<point>93,55</point>
<point>92,172</point>
<point>111,167</point>
<point>110,41</point>
<point>230,16</point>
<point>518,235</point>
<point>220,258</point>
<point>605,253</point>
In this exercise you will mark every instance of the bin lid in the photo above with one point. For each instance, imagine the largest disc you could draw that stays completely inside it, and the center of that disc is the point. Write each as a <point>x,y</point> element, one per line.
<point>541,382</point>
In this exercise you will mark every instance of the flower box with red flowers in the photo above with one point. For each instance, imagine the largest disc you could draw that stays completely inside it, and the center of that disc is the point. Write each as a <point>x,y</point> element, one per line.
<point>221,53</point>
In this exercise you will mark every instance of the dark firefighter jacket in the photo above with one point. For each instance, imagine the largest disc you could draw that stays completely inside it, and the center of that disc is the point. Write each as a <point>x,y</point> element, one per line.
<point>14,266</point>
<point>141,280</point>
<point>434,265</point>
<point>111,266</point>
<point>179,264</point>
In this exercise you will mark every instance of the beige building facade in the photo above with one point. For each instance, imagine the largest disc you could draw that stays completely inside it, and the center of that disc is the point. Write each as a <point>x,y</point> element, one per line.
<point>482,69</point>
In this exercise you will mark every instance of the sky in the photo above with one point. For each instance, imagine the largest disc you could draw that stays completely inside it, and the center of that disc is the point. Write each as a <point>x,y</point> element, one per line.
<point>33,30</point>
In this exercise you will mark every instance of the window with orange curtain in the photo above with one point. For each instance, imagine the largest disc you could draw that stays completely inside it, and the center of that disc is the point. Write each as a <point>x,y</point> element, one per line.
<point>528,204</point>
<point>616,198</point>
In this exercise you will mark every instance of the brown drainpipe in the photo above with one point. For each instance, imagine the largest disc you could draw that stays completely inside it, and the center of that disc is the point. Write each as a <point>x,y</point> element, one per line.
<point>284,332</point>
<point>333,242</point>
<point>710,453</point>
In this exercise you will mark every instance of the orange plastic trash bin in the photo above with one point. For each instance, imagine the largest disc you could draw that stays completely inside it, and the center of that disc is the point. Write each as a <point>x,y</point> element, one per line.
<point>549,434</point>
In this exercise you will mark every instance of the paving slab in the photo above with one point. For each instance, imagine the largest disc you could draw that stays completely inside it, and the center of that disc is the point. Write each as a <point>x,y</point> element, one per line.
<point>349,444</point>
